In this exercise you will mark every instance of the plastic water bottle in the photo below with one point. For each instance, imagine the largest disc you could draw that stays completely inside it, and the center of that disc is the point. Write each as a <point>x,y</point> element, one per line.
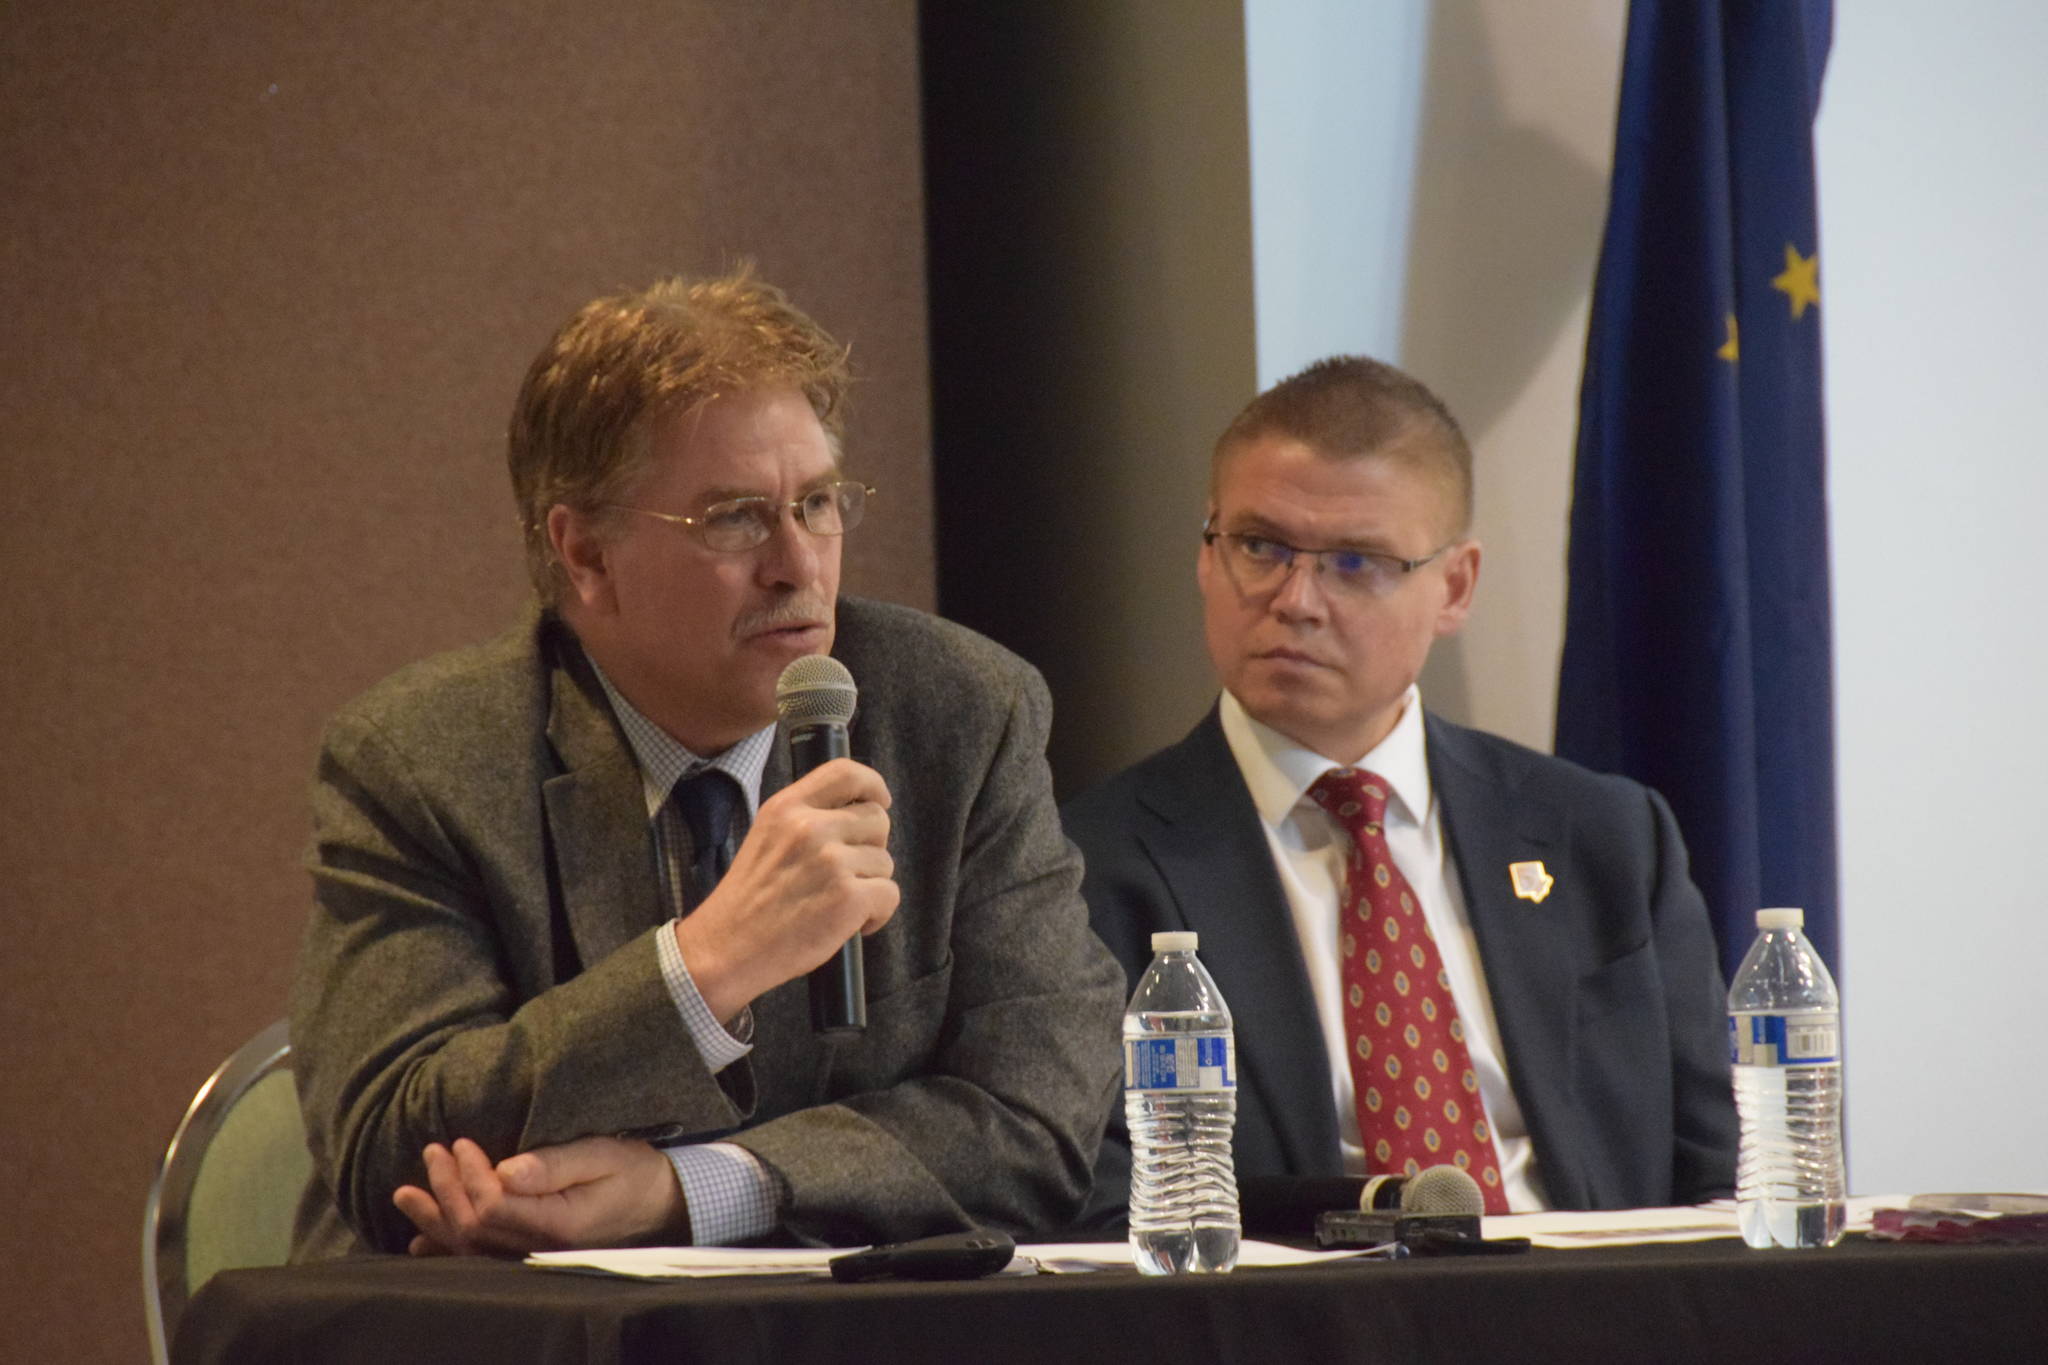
<point>1784,1026</point>
<point>1180,1100</point>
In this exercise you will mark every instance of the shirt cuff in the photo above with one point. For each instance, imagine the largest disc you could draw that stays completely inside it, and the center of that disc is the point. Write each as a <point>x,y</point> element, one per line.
<point>718,1048</point>
<point>732,1195</point>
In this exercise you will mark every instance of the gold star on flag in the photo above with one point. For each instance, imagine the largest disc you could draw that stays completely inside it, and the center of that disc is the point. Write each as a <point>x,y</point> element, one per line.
<point>1801,280</point>
<point>1730,350</point>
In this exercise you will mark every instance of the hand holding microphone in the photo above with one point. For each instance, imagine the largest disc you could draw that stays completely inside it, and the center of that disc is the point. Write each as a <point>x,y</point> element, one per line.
<point>813,874</point>
<point>815,699</point>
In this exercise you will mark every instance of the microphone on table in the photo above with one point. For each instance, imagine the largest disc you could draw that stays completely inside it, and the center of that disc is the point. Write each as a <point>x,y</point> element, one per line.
<point>815,699</point>
<point>1288,1205</point>
<point>1436,1211</point>
<point>1430,1191</point>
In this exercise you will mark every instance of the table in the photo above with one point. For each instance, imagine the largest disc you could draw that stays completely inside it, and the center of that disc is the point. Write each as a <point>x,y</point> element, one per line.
<point>1715,1302</point>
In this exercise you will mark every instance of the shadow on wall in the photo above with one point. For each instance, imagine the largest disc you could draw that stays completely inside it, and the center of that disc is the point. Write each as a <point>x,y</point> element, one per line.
<point>1504,238</point>
<point>1089,253</point>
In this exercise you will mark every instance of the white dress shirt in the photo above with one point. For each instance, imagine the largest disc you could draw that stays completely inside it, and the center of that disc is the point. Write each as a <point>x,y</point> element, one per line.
<point>731,1195</point>
<point>1309,852</point>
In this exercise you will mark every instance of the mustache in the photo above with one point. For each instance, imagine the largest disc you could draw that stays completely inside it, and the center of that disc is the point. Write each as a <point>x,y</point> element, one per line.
<point>798,609</point>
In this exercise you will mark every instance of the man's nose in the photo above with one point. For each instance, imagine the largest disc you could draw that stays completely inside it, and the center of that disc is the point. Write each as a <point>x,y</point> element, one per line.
<point>1300,594</point>
<point>790,554</point>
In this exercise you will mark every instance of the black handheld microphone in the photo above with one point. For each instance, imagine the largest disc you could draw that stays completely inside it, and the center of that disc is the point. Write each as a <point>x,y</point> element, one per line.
<point>815,698</point>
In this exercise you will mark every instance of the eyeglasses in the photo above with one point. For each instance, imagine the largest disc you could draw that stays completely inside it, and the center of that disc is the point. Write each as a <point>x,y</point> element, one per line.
<point>830,509</point>
<point>1260,564</point>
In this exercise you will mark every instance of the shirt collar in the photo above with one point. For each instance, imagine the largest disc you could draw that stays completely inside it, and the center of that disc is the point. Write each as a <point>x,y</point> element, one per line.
<point>1279,772</point>
<point>664,762</point>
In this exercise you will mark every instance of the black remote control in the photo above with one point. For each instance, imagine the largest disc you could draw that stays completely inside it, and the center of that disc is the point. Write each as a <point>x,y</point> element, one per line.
<point>951,1256</point>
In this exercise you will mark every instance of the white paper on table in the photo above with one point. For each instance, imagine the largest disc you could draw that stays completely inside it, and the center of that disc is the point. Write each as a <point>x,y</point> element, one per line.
<point>679,1263</point>
<point>1637,1227</point>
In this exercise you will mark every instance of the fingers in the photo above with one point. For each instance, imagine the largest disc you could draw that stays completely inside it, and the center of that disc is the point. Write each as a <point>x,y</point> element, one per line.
<point>463,1211</point>
<point>434,1238</point>
<point>839,812</point>
<point>882,898</point>
<point>478,1179</point>
<point>842,782</point>
<point>451,1199</point>
<point>863,823</point>
<point>441,1211</point>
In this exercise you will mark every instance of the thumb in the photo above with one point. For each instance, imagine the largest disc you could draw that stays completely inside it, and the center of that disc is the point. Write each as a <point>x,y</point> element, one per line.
<point>527,1173</point>
<point>550,1170</point>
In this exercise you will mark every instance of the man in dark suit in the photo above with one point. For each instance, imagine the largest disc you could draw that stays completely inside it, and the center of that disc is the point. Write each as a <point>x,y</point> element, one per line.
<point>553,992</point>
<point>1438,946</point>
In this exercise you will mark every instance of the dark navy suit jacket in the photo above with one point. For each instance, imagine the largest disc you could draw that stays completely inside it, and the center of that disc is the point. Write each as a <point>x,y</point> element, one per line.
<point>1608,993</point>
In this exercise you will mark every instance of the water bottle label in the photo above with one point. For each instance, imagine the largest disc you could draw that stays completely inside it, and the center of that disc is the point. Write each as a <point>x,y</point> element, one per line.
<point>1784,1039</point>
<point>1180,1064</point>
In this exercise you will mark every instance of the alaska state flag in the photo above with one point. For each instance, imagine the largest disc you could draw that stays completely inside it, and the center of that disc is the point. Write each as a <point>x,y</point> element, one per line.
<point>1697,651</point>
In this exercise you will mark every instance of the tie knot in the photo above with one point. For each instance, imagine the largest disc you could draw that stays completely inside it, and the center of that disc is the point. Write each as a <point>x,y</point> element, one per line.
<point>1354,797</point>
<point>710,801</point>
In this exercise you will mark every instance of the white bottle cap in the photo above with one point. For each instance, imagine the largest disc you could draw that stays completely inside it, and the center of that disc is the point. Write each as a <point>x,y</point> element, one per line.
<point>1181,941</point>
<point>1783,917</point>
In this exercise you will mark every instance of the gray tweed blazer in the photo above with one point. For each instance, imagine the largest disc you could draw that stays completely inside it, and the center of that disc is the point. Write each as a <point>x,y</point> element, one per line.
<point>481,956</point>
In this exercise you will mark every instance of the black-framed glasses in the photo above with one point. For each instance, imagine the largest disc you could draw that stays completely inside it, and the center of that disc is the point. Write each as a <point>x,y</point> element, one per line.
<point>1260,564</point>
<point>737,524</point>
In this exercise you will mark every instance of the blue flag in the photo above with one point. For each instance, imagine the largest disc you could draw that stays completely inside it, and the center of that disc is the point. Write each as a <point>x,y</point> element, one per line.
<point>1697,650</point>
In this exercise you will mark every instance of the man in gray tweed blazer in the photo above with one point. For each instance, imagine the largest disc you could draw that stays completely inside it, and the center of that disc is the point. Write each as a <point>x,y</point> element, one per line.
<point>525,1018</point>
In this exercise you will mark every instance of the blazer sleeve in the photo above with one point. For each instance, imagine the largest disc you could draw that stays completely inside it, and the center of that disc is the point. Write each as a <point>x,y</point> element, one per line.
<point>1703,1103</point>
<point>999,1126</point>
<point>421,1011</point>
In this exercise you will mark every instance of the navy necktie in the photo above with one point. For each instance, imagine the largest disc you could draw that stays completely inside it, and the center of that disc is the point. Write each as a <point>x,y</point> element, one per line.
<point>711,805</point>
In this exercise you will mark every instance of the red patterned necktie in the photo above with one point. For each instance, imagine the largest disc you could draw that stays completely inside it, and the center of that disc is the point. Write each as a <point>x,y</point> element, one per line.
<point>1417,1094</point>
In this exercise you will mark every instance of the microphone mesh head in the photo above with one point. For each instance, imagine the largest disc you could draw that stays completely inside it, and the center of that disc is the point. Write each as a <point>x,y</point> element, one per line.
<point>815,690</point>
<point>1442,1189</point>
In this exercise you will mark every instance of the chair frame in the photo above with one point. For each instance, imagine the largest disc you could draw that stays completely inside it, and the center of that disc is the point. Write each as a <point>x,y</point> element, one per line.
<point>163,1219</point>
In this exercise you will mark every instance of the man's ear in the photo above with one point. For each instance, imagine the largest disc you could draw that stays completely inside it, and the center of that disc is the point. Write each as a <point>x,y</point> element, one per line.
<point>1461,581</point>
<point>1205,553</point>
<point>583,554</point>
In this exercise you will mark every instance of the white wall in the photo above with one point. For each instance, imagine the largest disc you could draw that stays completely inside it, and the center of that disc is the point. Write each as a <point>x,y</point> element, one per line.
<point>1931,142</point>
<point>1335,114</point>
<point>1466,256</point>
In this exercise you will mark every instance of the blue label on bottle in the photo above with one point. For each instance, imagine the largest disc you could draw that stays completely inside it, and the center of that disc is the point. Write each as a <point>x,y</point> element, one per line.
<point>1185,1064</point>
<point>1784,1039</point>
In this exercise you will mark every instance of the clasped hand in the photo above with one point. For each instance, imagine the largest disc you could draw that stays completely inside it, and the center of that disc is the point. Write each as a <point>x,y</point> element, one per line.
<point>596,1191</point>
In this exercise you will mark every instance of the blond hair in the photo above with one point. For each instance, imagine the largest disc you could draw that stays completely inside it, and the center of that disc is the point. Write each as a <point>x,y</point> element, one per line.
<point>579,433</point>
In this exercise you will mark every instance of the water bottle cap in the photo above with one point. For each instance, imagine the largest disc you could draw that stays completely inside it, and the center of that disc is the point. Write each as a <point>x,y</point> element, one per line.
<point>1783,917</point>
<point>1181,941</point>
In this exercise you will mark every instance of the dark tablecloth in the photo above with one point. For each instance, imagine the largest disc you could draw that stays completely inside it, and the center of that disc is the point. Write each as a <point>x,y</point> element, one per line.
<point>1711,1302</point>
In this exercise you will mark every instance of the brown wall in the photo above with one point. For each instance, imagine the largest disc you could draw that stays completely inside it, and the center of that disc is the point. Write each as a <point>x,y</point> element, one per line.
<point>268,278</point>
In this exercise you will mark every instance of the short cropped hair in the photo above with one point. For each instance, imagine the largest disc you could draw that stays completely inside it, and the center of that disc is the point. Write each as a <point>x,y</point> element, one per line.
<point>1353,407</point>
<point>580,430</point>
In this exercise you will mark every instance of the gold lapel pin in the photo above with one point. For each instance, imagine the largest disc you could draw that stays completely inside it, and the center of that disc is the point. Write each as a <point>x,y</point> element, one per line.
<point>1532,883</point>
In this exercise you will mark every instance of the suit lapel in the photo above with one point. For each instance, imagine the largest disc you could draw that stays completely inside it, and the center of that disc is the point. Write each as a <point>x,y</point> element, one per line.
<point>598,830</point>
<point>1212,853</point>
<point>1525,947</point>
